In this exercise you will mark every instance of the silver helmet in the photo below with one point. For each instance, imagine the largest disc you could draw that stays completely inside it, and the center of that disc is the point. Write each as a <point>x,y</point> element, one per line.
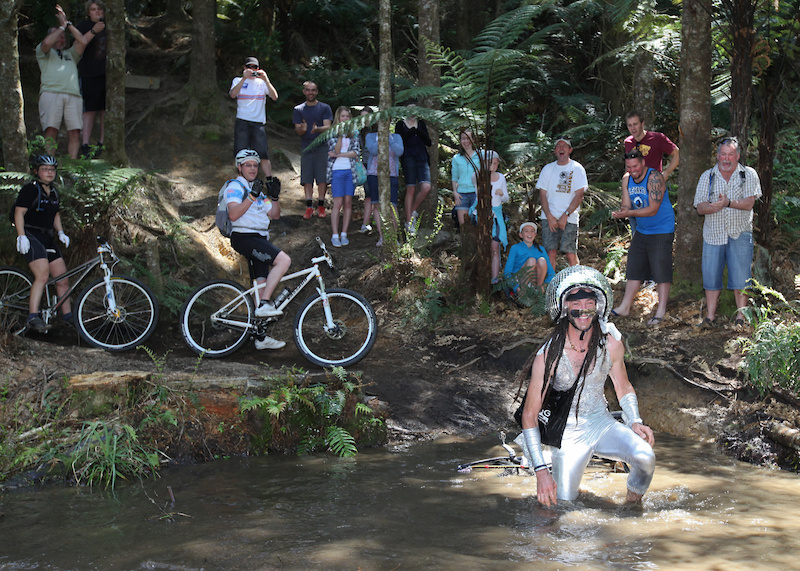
<point>579,277</point>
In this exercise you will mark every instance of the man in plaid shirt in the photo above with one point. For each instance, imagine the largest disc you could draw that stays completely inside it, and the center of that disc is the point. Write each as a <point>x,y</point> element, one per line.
<point>726,195</point>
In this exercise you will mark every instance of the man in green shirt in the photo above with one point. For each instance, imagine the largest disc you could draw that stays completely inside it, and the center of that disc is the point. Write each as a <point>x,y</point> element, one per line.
<point>60,95</point>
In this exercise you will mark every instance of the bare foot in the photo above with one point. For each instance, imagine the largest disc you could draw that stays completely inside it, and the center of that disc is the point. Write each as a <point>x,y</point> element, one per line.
<point>633,498</point>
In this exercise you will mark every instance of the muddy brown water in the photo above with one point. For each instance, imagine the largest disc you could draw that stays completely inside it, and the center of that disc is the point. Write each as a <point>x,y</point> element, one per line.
<point>408,508</point>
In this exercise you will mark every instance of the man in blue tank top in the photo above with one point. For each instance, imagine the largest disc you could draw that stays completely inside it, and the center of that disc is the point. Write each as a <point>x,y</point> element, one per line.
<point>644,196</point>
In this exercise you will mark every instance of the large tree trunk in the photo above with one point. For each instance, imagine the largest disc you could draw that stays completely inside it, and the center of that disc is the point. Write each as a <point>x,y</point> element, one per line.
<point>115,83</point>
<point>767,91</point>
<point>385,94</point>
<point>430,76</point>
<point>743,37</point>
<point>202,85</point>
<point>12,120</point>
<point>695,127</point>
<point>644,92</point>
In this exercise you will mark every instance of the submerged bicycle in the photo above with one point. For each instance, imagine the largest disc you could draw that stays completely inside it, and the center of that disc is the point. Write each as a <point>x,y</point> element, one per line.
<point>516,464</point>
<point>114,312</point>
<point>333,327</point>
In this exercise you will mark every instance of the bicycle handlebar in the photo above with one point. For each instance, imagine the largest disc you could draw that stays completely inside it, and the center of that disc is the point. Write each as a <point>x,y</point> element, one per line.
<point>328,257</point>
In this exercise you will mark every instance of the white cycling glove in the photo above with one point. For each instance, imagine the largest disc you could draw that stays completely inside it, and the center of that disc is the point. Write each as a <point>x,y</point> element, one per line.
<point>23,244</point>
<point>63,238</point>
<point>630,409</point>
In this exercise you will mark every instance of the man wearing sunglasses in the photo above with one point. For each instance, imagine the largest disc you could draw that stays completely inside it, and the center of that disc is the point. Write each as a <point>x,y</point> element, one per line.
<point>726,195</point>
<point>645,199</point>
<point>652,144</point>
<point>250,92</point>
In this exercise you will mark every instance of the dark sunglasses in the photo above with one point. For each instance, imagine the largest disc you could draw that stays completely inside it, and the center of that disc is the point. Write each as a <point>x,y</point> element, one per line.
<point>251,66</point>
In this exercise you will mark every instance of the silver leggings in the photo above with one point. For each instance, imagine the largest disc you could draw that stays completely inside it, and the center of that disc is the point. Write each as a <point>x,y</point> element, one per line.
<point>600,434</point>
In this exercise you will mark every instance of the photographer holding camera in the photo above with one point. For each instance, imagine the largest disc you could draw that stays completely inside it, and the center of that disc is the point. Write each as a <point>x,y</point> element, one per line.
<point>250,92</point>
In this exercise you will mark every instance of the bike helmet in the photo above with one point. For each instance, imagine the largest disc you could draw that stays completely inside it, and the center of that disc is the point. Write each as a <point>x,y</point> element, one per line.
<point>40,160</point>
<point>247,155</point>
<point>579,277</point>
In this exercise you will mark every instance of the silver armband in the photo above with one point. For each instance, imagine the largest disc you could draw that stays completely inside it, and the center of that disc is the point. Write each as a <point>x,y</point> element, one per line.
<point>532,448</point>
<point>630,409</point>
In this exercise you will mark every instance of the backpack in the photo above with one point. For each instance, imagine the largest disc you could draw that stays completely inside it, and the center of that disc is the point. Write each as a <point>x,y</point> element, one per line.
<point>35,204</point>
<point>222,219</point>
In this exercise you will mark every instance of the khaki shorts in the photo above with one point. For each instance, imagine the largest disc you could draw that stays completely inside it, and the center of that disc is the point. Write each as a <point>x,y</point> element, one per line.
<point>57,107</point>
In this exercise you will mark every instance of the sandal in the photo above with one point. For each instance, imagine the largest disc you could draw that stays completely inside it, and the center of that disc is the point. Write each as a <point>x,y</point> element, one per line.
<point>738,322</point>
<point>654,322</point>
<point>613,314</point>
<point>707,324</point>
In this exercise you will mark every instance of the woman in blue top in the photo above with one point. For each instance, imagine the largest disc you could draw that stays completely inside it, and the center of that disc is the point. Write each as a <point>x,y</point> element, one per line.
<point>465,164</point>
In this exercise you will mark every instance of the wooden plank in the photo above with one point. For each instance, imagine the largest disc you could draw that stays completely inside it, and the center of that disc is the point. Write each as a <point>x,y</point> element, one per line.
<point>142,82</point>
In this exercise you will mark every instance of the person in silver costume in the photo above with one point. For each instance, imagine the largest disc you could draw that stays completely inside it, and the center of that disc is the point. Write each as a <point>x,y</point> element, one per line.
<point>586,347</point>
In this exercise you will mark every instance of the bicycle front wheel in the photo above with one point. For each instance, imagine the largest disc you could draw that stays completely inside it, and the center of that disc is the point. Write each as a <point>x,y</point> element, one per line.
<point>355,328</point>
<point>15,292</point>
<point>132,321</point>
<point>216,319</point>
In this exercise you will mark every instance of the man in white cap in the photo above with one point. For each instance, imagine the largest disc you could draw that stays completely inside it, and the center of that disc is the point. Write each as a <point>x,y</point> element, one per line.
<point>250,92</point>
<point>561,186</point>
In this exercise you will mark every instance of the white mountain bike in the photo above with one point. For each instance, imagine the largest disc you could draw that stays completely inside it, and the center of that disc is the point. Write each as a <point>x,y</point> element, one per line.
<point>333,327</point>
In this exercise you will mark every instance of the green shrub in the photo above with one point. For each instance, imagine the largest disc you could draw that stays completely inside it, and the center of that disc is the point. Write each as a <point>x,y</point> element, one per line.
<point>316,417</point>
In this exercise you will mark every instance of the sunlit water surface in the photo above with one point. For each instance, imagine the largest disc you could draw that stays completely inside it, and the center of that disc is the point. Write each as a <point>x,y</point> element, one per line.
<point>410,509</point>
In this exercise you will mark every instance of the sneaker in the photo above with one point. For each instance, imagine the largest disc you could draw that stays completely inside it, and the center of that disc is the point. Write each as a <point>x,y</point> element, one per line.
<point>269,343</point>
<point>85,152</point>
<point>267,309</point>
<point>379,243</point>
<point>37,324</point>
<point>335,242</point>
<point>344,239</point>
<point>414,217</point>
<point>321,211</point>
<point>366,228</point>
<point>309,213</point>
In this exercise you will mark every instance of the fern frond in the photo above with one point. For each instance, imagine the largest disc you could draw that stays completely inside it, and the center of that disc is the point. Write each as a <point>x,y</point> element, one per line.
<point>340,442</point>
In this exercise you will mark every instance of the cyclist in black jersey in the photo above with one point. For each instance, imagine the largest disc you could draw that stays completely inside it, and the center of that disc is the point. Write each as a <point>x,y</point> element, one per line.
<point>38,223</point>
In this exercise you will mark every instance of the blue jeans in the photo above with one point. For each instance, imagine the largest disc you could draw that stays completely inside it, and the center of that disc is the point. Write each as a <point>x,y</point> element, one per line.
<point>737,254</point>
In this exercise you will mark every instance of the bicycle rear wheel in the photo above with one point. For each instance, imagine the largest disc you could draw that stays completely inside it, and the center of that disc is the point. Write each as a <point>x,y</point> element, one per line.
<point>216,319</point>
<point>354,333</point>
<point>15,292</point>
<point>129,325</point>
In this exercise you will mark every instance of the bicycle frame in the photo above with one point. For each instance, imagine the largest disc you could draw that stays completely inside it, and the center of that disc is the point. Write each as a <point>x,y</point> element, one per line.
<point>310,274</point>
<point>52,304</point>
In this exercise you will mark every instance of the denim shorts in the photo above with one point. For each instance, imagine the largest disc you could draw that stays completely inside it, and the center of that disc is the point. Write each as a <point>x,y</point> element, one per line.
<point>467,200</point>
<point>342,183</point>
<point>737,254</point>
<point>416,171</point>
<point>565,240</point>
<point>373,192</point>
